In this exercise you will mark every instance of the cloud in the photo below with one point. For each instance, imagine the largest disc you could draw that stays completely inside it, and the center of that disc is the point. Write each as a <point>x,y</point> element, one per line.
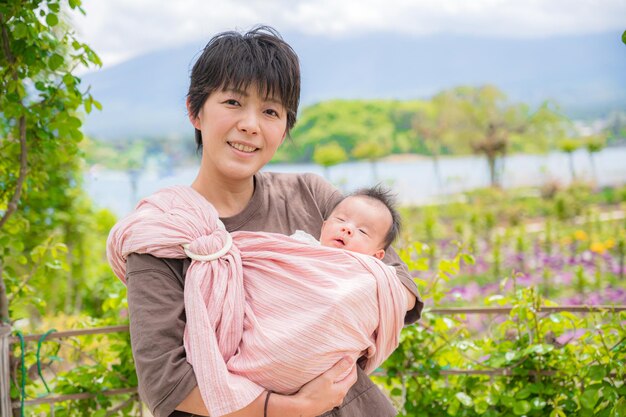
<point>120,29</point>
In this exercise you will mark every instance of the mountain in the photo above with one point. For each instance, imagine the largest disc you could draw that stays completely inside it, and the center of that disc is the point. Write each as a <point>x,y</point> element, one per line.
<point>585,75</point>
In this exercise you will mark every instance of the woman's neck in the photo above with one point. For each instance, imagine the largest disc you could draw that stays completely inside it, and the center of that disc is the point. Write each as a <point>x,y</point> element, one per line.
<point>228,197</point>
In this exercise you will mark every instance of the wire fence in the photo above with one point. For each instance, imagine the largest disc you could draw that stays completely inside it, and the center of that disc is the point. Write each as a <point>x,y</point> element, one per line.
<point>6,340</point>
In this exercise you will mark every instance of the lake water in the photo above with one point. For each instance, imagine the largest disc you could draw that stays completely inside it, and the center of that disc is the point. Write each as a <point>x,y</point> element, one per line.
<point>413,180</point>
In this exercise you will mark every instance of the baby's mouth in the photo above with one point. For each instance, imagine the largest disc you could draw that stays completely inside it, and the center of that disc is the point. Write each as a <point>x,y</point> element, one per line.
<point>242,148</point>
<point>340,241</point>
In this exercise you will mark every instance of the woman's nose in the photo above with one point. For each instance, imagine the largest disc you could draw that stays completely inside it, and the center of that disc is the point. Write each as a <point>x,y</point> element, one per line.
<point>249,123</point>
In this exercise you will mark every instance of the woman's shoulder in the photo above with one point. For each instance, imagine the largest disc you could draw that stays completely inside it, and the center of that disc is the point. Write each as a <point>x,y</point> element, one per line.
<point>294,182</point>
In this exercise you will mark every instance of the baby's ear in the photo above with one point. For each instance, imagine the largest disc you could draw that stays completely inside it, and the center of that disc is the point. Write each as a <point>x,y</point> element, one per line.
<point>380,254</point>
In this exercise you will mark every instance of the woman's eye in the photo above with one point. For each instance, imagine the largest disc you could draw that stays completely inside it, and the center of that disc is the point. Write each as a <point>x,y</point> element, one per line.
<point>232,102</point>
<point>272,112</point>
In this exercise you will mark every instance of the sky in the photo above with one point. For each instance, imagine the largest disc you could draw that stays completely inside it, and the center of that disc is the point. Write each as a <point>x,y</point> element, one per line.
<point>121,29</point>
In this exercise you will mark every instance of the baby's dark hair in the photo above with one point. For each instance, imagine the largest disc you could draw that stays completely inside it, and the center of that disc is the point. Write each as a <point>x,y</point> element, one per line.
<point>232,60</point>
<point>388,199</point>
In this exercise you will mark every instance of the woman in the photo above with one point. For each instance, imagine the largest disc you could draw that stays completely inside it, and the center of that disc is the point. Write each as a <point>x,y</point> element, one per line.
<point>242,101</point>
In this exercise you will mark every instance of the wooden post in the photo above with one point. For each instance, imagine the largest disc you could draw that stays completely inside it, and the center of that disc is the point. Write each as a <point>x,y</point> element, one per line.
<point>5,369</point>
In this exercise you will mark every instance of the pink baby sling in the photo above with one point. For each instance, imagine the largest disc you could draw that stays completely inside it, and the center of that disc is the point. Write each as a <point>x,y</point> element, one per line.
<point>271,312</point>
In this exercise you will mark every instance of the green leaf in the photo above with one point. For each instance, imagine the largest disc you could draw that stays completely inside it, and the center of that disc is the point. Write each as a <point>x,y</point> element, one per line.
<point>468,259</point>
<point>55,61</point>
<point>52,19</point>
<point>557,412</point>
<point>538,403</point>
<point>521,407</point>
<point>589,398</point>
<point>481,406</point>
<point>619,410</point>
<point>541,349</point>
<point>453,408</point>
<point>597,372</point>
<point>507,401</point>
<point>624,37</point>
<point>87,105</point>
<point>523,393</point>
<point>464,399</point>
<point>20,30</point>
<point>536,388</point>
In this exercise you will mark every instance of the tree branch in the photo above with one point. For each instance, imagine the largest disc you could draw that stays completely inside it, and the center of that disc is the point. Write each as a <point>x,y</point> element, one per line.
<point>4,303</point>
<point>12,206</point>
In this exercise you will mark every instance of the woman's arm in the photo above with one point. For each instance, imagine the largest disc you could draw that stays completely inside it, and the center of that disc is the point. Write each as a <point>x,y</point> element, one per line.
<point>155,293</point>
<point>315,398</point>
<point>415,301</point>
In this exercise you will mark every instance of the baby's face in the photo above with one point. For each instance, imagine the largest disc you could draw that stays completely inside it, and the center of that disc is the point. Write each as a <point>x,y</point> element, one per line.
<point>358,224</point>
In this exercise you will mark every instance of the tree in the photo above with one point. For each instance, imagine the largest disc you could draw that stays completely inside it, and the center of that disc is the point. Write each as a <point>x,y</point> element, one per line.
<point>492,126</point>
<point>328,155</point>
<point>372,151</point>
<point>594,144</point>
<point>347,122</point>
<point>569,146</point>
<point>40,103</point>
<point>433,123</point>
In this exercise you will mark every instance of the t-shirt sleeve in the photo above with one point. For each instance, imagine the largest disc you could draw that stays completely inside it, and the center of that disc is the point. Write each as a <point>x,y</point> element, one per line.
<point>326,195</point>
<point>402,271</point>
<point>157,322</point>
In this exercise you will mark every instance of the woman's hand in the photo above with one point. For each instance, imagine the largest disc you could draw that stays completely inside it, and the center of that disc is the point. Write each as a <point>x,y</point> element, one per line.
<point>327,391</point>
<point>315,398</point>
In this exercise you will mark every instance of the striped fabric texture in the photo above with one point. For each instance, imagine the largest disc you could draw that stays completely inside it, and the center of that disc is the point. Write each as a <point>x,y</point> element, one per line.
<point>273,312</point>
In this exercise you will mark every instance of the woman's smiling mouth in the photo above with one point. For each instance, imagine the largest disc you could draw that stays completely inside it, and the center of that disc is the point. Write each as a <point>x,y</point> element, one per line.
<point>243,148</point>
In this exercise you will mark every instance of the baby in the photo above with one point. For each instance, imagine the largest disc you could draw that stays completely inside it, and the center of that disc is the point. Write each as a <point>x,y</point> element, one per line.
<point>365,222</point>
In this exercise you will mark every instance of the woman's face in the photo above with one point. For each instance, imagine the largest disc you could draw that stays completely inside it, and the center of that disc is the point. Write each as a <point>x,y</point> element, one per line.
<point>241,131</point>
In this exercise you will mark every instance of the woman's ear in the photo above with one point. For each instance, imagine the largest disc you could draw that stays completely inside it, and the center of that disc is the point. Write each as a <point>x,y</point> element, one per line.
<point>380,254</point>
<point>195,120</point>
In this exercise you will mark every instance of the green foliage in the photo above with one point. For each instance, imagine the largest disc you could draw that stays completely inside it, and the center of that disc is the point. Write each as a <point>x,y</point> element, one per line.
<point>493,127</point>
<point>369,150</point>
<point>49,224</point>
<point>570,145</point>
<point>88,363</point>
<point>349,123</point>
<point>557,364</point>
<point>456,121</point>
<point>595,144</point>
<point>329,154</point>
<point>52,238</point>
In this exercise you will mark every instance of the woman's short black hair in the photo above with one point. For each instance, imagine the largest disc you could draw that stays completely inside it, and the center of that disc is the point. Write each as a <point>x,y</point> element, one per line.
<point>233,60</point>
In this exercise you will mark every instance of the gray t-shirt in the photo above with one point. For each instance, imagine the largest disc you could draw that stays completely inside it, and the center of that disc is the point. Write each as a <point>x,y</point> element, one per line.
<point>281,203</point>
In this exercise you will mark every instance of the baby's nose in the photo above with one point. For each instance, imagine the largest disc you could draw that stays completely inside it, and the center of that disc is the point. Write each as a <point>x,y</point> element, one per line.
<point>346,229</point>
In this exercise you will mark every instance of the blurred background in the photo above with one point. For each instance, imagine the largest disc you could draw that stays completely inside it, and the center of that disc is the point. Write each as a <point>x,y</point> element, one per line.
<point>381,82</point>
